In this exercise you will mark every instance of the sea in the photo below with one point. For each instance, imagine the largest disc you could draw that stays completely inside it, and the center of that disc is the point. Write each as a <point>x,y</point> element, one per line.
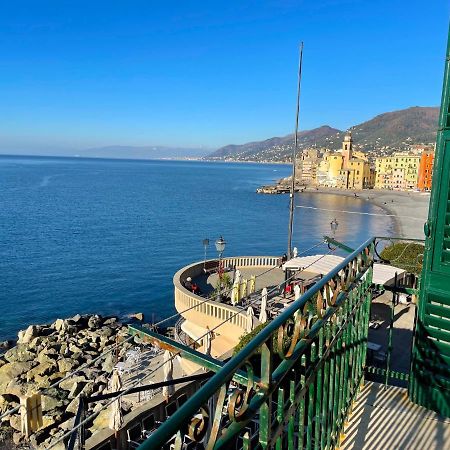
<point>106,236</point>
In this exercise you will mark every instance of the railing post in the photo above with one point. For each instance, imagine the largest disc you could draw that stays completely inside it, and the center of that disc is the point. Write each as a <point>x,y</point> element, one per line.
<point>265,411</point>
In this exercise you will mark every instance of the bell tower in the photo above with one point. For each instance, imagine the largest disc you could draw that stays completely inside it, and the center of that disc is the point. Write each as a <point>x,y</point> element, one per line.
<point>347,147</point>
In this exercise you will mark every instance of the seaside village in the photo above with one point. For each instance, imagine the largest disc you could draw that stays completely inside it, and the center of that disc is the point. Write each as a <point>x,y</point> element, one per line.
<point>351,169</point>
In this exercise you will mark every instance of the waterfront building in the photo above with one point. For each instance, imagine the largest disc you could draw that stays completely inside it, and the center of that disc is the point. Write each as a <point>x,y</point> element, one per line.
<point>347,169</point>
<point>425,171</point>
<point>307,167</point>
<point>398,171</point>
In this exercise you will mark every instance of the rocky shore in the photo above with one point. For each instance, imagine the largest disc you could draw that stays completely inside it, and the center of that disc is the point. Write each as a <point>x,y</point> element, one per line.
<point>45,355</point>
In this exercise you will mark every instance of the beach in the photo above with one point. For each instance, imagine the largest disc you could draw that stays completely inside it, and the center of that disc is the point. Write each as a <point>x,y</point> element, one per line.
<point>409,210</point>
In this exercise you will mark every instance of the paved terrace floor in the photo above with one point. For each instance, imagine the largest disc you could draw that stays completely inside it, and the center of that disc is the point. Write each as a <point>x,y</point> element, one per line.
<point>386,419</point>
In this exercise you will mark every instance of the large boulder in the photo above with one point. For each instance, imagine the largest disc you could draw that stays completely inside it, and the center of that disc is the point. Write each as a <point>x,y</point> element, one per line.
<point>15,422</point>
<point>49,403</point>
<point>60,324</point>
<point>94,322</point>
<point>77,387</point>
<point>41,369</point>
<point>108,363</point>
<point>68,384</point>
<point>31,332</point>
<point>19,353</point>
<point>105,332</point>
<point>101,421</point>
<point>46,356</point>
<point>72,407</point>
<point>67,364</point>
<point>12,370</point>
<point>74,349</point>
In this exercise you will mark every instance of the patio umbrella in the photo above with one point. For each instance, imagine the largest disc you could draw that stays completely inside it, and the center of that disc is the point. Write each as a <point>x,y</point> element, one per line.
<point>235,293</point>
<point>168,375</point>
<point>237,276</point>
<point>250,315</point>
<point>207,342</point>
<point>252,284</point>
<point>297,292</point>
<point>263,312</point>
<point>115,416</point>
<point>243,292</point>
<point>295,252</point>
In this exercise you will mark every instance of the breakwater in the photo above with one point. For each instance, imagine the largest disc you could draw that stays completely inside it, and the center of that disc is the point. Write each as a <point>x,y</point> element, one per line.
<point>45,355</point>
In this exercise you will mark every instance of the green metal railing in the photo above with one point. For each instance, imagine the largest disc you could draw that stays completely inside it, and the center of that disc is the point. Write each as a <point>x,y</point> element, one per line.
<point>303,372</point>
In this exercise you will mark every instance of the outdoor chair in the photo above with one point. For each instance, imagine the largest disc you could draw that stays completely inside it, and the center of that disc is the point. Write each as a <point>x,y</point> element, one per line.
<point>148,424</point>
<point>170,409</point>
<point>181,399</point>
<point>134,436</point>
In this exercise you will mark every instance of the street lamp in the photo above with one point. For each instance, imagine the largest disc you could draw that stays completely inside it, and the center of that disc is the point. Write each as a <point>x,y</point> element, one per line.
<point>205,245</point>
<point>220,247</point>
<point>334,225</point>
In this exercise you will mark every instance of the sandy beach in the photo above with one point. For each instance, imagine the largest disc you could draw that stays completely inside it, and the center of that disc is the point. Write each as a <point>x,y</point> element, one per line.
<point>410,209</point>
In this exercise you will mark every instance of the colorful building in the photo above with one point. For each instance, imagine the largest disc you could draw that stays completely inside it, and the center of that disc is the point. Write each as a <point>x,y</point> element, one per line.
<point>306,170</point>
<point>398,172</point>
<point>345,169</point>
<point>425,171</point>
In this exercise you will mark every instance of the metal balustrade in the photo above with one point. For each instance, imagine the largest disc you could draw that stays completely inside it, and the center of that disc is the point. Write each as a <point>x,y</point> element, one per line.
<point>303,370</point>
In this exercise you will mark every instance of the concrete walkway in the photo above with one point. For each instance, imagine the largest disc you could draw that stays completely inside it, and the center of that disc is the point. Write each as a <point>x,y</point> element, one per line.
<point>386,419</point>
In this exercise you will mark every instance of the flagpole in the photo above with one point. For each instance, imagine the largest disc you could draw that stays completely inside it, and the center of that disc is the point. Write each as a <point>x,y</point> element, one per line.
<point>294,156</point>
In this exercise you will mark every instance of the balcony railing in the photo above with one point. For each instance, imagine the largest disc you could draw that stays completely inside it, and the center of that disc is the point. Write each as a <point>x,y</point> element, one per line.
<point>303,371</point>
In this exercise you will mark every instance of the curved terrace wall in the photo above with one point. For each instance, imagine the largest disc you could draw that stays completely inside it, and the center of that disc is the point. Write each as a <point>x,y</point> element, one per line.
<point>211,313</point>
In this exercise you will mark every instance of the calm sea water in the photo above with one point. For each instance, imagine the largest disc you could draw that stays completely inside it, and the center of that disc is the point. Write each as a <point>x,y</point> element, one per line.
<point>106,236</point>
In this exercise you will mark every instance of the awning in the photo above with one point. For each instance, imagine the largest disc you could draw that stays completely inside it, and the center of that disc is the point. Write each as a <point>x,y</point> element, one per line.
<point>323,264</point>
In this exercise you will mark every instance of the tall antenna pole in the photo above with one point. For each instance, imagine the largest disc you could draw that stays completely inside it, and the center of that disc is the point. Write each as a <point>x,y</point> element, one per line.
<point>294,155</point>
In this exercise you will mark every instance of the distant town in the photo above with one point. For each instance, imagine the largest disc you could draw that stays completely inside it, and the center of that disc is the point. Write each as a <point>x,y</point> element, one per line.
<point>348,168</point>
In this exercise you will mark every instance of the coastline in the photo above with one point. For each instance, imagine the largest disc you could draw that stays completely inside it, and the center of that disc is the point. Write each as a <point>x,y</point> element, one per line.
<point>408,210</point>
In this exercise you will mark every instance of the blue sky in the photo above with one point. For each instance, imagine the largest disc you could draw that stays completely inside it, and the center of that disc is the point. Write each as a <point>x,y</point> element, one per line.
<point>197,73</point>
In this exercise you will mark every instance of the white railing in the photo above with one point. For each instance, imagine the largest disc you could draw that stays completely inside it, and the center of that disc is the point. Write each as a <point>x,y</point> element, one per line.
<point>210,312</point>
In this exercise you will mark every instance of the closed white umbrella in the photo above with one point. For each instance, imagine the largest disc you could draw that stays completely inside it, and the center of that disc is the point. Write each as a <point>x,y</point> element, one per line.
<point>235,293</point>
<point>237,276</point>
<point>297,292</point>
<point>263,312</point>
<point>207,342</point>
<point>250,315</point>
<point>115,417</point>
<point>167,391</point>
<point>295,252</point>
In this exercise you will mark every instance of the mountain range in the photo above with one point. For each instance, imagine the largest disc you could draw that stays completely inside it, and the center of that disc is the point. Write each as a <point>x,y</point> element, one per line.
<point>388,132</point>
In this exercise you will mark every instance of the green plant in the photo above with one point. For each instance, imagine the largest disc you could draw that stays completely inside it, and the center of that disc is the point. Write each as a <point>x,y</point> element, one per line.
<point>247,337</point>
<point>405,255</point>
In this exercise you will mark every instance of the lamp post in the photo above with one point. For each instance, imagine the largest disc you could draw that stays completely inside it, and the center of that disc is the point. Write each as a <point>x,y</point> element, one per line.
<point>334,225</point>
<point>220,247</point>
<point>205,245</point>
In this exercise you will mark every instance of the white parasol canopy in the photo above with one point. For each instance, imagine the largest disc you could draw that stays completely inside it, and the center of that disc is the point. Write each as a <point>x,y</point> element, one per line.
<point>207,342</point>
<point>115,417</point>
<point>250,315</point>
<point>168,375</point>
<point>263,312</point>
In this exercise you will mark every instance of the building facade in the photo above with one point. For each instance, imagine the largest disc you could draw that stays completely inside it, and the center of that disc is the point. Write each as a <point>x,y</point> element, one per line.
<point>346,169</point>
<point>397,172</point>
<point>425,171</point>
<point>306,170</point>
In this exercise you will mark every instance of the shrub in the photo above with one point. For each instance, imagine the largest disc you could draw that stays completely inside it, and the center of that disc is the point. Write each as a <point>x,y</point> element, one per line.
<point>405,255</point>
